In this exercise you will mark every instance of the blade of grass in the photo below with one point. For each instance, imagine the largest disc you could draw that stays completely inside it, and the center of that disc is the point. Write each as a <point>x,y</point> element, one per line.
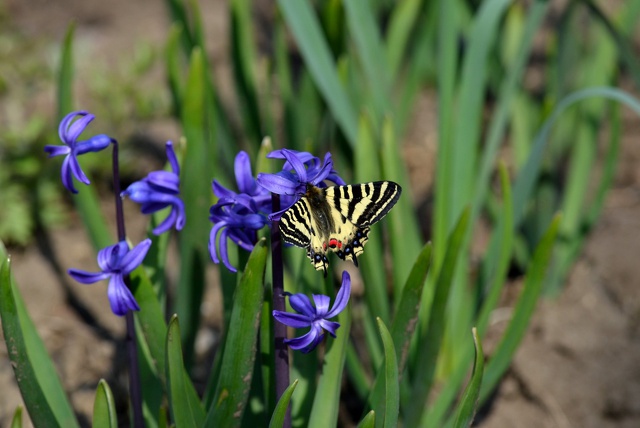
<point>277,419</point>
<point>16,421</point>
<point>35,373</point>
<point>430,340</point>
<point>326,403</point>
<point>317,56</point>
<point>186,412</point>
<point>370,49</point>
<point>104,407</point>
<point>388,413</point>
<point>238,360</point>
<point>523,310</point>
<point>369,420</point>
<point>195,181</point>
<point>469,400</point>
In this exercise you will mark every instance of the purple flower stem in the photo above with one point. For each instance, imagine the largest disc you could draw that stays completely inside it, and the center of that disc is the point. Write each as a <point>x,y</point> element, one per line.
<point>281,354</point>
<point>132,347</point>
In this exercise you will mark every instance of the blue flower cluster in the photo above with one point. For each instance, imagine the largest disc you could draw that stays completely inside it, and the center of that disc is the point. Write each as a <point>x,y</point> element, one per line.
<point>237,216</point>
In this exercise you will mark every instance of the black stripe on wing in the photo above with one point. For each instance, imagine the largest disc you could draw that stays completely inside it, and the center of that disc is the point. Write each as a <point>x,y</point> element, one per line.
<point>295,224</point>
<point>364,204</point>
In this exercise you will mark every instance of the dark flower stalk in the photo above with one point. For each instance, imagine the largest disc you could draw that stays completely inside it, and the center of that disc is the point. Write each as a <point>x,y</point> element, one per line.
<point>135,388</point>
<point>281,353</point>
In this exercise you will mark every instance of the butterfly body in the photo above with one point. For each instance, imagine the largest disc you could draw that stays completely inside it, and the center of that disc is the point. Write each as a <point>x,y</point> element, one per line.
<point>337,219</point>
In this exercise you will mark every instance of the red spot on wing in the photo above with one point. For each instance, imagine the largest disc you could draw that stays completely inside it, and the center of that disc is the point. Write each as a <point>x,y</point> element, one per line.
<point>333,243</point>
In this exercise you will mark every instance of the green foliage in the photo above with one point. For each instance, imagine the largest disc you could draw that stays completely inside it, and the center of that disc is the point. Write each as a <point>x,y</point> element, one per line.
<point>353,93</point>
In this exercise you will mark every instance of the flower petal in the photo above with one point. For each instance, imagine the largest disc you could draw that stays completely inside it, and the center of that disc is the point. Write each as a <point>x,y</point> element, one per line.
<point>120,297</point>
<point>109,257</point>
<point>74,130</point>
<point>330,326</point>
<point>94,144</point>
<point>244,177</point>
<point>134,258</point>
<point>308,342</point>
<point>224,252</point>
<point>282,183</point>
<point>166,223</point>
<point>85,277</point>
<point>292,320</point>
<point>212,240</point>
<point>64,125</point>
<point>77,171</point>
<point>171,157</point>
<point>164,181</point>
<point>342,298</point>
<point>66,175</point>
<point>301,304</point>
<point>296,164</point>
<point>322,304</point>
<point>57,150</point>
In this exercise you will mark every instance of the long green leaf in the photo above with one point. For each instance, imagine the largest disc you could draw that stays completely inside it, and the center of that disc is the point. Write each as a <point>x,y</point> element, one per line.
<point>523,310</point>
<point>390,411</point>
<point>429,343</point>
<point>104,407</point>
<point>277,419</point>
<point>195,180</point>
<point>35,373</point>
<point>369,48</point>
<point>239,356</point>
<point>469,401</point>
<point>405,319</point>
<point>185,411</point>
<point>369,420</point>
<point>16,421</point>
<point>326,403</point>
<point>317,56</point>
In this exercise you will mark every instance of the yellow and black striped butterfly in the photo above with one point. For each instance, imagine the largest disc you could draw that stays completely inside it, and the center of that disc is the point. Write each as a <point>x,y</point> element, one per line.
<point>337,219</point>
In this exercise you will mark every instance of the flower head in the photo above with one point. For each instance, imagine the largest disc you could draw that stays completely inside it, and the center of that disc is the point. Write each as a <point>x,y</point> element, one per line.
<point>238,216</point>
<point>300,169</point>
<point>69,131</point>
<point>116,261</point>
<point>316,317</point>
<point>158,190</point>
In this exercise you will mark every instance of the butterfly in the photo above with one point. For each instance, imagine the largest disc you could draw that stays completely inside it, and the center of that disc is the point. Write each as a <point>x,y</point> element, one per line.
<point>337,219</point>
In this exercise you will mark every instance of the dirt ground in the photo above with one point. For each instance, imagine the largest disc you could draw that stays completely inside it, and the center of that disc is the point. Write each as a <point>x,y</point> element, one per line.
<point>579,365</point>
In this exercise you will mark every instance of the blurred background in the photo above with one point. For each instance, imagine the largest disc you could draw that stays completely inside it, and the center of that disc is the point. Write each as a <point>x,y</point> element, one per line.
<point>578,364</point>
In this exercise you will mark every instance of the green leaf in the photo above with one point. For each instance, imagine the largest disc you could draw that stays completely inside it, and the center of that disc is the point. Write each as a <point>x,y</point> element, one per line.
<point>186,412</point>
<point>35,373</point>
<point>405,319</point>
<point>326,402</point>
<point>104,407</point>
<point>315,51</point>
<point>277,419</point>
<point>391,408</point>
<point>430,341</point>
<point>239,356</point>
<point>16,421</point>
<point>523,310</point>
<point>369,420</point>
<point>369,48</point>
<point>65,74</point>
<point>195,187</point>
<point>469,401</point>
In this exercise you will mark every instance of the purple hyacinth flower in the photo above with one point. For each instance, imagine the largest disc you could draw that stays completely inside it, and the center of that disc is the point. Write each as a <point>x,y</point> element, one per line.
<point>116,261</point>
<point>158,190</point>
<point>300,169</point>
<point>237,216</point>
<point>69,131</point>
<point>316,317</point>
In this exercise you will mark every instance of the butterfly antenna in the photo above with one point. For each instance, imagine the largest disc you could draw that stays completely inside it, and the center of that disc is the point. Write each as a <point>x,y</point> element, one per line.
<point>355,260</point>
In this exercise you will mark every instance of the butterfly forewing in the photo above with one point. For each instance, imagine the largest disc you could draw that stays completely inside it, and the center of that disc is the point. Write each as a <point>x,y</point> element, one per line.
<point>295,224</point>
<point>364,204</point>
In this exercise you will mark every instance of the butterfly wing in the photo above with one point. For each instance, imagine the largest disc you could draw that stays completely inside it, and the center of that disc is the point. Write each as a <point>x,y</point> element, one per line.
<point>295,224</point>
<point>364,204</point>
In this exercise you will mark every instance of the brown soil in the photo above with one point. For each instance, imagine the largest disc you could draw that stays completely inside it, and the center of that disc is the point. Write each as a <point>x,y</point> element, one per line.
<point>577,367</point>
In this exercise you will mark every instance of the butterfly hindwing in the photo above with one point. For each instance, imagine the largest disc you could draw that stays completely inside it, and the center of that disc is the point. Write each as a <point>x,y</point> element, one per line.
<point>337,219</point>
